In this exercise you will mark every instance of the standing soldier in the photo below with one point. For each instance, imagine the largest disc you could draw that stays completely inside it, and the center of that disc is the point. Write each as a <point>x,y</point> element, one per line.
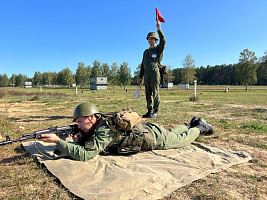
<point>150,71</point>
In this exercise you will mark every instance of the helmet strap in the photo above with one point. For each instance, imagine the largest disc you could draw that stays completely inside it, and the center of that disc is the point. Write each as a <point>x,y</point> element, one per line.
<point>89,118</point>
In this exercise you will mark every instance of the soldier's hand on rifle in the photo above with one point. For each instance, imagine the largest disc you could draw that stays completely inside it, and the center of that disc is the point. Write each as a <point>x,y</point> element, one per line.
<point>51,138</point>
<point>77,137</point>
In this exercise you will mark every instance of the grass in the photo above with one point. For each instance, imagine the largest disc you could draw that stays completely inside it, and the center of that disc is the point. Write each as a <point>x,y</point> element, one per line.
<point>239,118</point>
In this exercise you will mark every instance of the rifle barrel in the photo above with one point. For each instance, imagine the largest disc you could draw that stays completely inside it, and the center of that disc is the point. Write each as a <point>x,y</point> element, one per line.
<point>16,140</point>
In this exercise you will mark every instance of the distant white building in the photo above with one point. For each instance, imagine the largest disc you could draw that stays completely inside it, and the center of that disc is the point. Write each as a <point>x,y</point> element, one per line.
<point>27,84</point>
<point>167,85</point>
<point>186,86</point>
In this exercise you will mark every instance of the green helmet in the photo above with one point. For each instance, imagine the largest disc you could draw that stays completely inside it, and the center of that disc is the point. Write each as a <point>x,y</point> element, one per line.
<point>153,35</point>
<point>85,109</point>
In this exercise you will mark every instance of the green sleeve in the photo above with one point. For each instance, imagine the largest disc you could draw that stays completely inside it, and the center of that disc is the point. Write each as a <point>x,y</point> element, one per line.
<point>162,42</point>
<point>161,45</point>
<point>93,146</point>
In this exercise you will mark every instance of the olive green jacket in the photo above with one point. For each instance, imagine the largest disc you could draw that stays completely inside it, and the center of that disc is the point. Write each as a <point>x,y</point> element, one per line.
<point>149,68</point>
<point>100,139</point>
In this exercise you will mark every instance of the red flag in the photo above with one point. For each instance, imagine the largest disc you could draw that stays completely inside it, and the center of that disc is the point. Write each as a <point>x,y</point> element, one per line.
<point>159,16</point>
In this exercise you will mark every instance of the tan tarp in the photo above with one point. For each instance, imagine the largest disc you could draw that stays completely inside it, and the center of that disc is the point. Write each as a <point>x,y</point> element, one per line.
<point>147,175</point>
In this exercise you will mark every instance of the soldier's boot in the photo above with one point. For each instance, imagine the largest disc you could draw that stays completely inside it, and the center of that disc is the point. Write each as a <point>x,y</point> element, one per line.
<point>204,127</point>
<point>155,114</point>
<point>193,123</point>
<point>148,114</point>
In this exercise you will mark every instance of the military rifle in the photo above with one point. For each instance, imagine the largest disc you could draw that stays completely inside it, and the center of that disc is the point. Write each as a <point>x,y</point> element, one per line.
<point>61,132</point>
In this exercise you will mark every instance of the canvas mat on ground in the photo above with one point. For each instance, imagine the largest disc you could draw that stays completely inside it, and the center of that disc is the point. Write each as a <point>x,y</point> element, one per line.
<point>147,175</point>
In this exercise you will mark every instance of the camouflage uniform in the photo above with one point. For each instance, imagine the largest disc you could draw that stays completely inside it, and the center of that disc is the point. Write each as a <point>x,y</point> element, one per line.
<point>150,71</point>
<point>102,136</point>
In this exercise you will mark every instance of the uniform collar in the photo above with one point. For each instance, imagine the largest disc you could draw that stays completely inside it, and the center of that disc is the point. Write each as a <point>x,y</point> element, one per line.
<point>153,47</point>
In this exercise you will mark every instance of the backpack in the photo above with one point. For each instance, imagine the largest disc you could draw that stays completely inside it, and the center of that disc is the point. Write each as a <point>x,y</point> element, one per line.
<point>130,123</point>
<point>124,120</point>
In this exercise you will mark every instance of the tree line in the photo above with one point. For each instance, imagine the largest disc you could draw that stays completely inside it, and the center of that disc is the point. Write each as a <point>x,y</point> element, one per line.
<point>249,70</point>
<point>117,75</point>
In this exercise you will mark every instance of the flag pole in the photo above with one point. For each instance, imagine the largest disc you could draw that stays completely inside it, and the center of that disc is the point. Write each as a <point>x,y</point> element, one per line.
<point>157,16</point>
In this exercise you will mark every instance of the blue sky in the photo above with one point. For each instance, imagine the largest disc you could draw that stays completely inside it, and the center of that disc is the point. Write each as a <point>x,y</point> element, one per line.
<point>50,35</point>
